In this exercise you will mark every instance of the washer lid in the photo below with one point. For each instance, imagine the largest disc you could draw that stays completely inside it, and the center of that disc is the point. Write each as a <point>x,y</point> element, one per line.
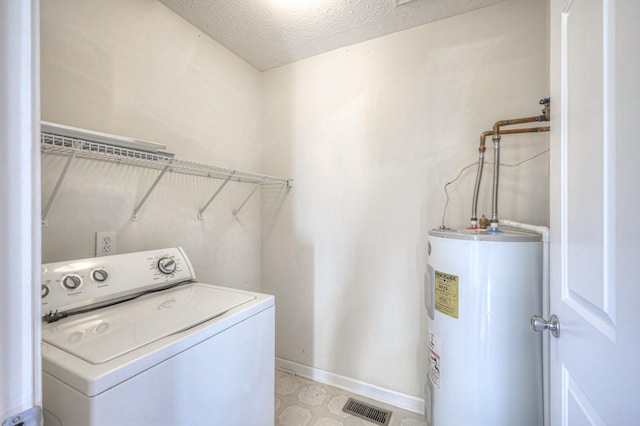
<point>102,335</point>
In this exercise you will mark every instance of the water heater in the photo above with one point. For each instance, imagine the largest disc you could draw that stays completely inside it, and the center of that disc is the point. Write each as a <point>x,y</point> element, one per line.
<point>485,363</point>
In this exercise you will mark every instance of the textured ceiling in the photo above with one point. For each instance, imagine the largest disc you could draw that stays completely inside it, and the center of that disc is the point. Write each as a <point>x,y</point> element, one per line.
<point>271,33</point>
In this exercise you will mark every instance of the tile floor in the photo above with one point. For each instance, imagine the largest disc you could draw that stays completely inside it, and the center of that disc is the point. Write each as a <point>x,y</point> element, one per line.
<point>303,402</point>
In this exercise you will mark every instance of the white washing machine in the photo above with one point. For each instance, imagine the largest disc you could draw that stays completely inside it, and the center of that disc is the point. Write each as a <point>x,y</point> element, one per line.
<point>133,339</point>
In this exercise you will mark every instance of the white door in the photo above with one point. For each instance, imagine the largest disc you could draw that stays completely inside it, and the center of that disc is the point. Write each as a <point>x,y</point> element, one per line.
<point>20,394</point>
<point>595,211</point>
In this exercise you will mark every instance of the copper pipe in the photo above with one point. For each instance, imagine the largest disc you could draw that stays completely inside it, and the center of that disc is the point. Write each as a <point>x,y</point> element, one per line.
<point>496,132</point>
<point>527,130</point>
<point>483,138</point>
<point>501,123</point>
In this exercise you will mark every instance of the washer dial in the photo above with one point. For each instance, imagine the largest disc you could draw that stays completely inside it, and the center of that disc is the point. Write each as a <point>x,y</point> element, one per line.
<point>99,275</point>
<point>71,281</point>
<point>167,265</point>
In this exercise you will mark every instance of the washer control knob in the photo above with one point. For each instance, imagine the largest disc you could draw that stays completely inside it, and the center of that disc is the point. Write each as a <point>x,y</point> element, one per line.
<point>45,291</point>
<point>71,282</point>
<point>167,265</point>
<point>99,275</point>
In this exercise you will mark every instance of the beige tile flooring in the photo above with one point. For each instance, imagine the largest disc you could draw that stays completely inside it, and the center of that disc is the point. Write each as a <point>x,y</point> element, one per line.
<point>303,402</point>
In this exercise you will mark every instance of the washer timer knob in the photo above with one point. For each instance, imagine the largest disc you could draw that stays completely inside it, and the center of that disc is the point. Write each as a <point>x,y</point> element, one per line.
<point>167,265</point>
<point>71,282</point>
<point>99,275</point>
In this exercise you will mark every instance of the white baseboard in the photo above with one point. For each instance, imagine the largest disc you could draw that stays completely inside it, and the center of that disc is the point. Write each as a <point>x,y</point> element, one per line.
<point>397,399</point>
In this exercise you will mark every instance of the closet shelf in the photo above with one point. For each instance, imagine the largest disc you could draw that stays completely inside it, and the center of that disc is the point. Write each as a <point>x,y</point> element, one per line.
<point>56,144</point>
<point>79,147</point>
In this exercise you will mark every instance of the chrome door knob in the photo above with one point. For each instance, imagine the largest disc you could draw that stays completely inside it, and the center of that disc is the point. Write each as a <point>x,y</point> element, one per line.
<point>541,324</point>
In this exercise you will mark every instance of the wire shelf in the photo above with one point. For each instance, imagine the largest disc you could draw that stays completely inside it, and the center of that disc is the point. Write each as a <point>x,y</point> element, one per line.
<point>56,144</point>
<point>72,147</point>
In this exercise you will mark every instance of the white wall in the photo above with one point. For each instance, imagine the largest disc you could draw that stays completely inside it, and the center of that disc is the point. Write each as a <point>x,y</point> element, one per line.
<point>371,133</point>
<point>135,68</point>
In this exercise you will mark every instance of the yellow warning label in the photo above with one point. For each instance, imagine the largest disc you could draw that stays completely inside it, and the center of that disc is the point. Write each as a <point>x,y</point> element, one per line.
<point>446,292</point>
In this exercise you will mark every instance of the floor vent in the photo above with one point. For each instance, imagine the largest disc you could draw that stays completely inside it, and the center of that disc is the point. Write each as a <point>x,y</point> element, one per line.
<point>367,412</point>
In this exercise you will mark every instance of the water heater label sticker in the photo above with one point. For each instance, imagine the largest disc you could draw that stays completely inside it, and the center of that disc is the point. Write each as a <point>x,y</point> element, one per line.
<point>434,359</point>
<point>446,293</point>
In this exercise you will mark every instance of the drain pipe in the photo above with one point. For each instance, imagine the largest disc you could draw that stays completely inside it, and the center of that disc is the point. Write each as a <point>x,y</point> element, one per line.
<point>544,233</point>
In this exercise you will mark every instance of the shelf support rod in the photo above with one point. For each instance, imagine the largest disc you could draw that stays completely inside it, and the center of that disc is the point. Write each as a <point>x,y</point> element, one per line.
<point>215,194</point>
<point>255,188</point>
<point>134,217</point>
<point>56,188</point>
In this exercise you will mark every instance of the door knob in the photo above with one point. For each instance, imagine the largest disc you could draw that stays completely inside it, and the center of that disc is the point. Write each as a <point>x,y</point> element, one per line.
<point>541,324</point>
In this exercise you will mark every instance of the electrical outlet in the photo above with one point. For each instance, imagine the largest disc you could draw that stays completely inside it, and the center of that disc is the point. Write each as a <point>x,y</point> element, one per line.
<point>105,243</point>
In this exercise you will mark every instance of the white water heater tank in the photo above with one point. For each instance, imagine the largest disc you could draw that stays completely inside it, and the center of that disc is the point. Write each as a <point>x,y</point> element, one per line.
<point>485,362</point>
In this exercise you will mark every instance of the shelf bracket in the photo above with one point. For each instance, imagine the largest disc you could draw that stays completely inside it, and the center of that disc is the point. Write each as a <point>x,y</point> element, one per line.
<point>56,188</point>
<point>255,188</point>
<point>134,217</point>
<point>215,194</point>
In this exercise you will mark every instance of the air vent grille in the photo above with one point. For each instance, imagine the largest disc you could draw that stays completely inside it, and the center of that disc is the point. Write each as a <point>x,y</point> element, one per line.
<point>367,412</point>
